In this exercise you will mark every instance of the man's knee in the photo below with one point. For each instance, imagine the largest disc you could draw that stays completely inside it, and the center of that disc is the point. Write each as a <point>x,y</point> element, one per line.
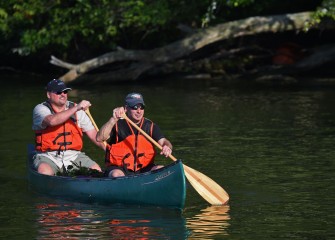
<point>45,168</point>
<point>116,173</point>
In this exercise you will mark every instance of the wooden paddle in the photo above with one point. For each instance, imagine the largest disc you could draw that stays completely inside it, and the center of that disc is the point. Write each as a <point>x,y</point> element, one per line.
<point>205,186</point>
<point>87,111</point>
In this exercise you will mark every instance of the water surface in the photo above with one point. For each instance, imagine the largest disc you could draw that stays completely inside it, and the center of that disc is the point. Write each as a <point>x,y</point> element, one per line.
<point>272,150</point>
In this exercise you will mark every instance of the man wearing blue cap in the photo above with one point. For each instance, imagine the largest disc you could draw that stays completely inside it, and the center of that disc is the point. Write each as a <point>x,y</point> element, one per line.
<point>128,151</point>
<point>59,125</point>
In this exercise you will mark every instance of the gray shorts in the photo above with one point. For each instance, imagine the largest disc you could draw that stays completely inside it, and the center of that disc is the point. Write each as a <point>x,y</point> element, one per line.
<point>82,160</point>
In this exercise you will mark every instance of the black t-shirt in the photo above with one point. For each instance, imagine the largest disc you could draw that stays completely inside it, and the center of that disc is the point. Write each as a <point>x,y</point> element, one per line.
<point>124,130</point>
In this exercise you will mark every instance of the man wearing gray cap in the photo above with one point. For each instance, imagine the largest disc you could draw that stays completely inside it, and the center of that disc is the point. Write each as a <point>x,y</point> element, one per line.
<point>128,151</point>
<point>59,125</point>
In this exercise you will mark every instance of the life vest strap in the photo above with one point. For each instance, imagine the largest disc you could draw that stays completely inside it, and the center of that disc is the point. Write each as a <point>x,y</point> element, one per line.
<point>60,135</point>
<point>125,165</point>
<point>64,143</point>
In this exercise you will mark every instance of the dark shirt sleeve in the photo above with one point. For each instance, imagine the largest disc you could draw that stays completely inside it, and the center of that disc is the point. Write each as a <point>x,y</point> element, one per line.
<point>112,139</point>
<point>157,133</point>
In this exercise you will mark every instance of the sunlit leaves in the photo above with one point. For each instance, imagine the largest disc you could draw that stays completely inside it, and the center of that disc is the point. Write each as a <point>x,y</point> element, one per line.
<point>325,11</point>
<point>3,21</point>
<point>239,3</point>
<point>67,25</point>
<point>40,24</point>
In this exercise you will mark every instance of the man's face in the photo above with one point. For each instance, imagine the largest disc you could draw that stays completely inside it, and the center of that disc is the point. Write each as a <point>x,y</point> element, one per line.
<point>58,98</point>
<point>136,113</point>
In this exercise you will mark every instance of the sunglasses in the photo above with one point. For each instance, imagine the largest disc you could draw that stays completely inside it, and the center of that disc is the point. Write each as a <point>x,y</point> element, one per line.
<point>140,106</point>
<point>59,93</point>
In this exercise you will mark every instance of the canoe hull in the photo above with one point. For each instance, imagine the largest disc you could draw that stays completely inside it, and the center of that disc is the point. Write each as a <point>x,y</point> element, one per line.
<point>164,187</point>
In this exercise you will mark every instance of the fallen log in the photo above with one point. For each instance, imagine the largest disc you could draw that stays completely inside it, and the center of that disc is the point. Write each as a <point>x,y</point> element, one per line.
<point>142,61</point>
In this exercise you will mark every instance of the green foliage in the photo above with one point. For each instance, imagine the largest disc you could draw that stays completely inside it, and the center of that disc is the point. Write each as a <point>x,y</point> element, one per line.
<point>138,14</point>
<point>239,3</point>
<point>61,26</point>
<point>326,10</point>
<point>76,170</point>
<point>3,19</point>
<point>62,23</point>
<point>40,24</point>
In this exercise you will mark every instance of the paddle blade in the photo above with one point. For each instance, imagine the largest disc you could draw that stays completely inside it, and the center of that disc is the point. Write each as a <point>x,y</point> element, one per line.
<point>206,187</point>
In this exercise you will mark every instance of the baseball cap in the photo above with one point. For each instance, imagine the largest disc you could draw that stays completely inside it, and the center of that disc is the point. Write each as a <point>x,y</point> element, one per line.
<point>56,85</point>
<point>132,99</point>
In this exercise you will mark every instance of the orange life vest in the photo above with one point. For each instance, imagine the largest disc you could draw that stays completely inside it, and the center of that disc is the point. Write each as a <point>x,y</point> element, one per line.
<point>134,152</point>
<point>66,136</point>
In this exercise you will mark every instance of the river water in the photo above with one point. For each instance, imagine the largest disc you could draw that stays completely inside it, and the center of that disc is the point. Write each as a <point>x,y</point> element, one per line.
<point>271,149</point>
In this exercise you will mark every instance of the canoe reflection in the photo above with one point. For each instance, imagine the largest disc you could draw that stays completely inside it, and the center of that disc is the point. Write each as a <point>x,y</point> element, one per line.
<point>83,221</point>
<point>211,223</point>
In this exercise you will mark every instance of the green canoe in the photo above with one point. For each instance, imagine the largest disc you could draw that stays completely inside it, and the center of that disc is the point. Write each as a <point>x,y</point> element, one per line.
<point>165,187</point>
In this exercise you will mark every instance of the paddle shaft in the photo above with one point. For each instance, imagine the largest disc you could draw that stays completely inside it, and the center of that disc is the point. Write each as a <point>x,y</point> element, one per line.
<point>87,111</point>
<point>146,135</point>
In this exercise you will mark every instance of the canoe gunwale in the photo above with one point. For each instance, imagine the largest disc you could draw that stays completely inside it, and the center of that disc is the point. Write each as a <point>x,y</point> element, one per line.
<point>83,178</point>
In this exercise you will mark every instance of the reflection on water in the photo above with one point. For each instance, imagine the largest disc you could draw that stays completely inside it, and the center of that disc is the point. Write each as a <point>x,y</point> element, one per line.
<point>78,221</point>
<point>210,223</point>
<point>56,222</point>
<point>61,219</point>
